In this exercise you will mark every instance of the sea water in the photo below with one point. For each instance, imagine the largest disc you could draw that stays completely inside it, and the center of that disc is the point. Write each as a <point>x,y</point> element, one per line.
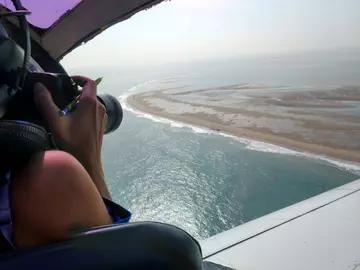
<point>207,182</point>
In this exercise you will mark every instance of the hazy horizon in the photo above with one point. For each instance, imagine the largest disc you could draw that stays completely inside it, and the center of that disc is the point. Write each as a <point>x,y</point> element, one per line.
<point>189,31</point>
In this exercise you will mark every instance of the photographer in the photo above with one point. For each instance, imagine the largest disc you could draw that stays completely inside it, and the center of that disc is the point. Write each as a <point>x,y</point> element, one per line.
<point>59,192</point>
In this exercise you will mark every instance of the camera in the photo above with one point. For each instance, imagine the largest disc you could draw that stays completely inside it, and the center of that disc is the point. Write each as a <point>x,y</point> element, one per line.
<point>22,130</point>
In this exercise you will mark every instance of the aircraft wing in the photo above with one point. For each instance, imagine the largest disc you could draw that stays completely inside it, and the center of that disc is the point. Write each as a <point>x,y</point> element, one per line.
<point>319,233</point>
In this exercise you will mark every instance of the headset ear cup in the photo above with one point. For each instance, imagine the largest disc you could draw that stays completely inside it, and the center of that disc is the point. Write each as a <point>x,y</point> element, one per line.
<point>19,141</point>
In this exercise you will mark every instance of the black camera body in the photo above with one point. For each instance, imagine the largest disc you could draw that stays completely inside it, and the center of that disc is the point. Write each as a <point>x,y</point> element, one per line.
<point>22,130</point>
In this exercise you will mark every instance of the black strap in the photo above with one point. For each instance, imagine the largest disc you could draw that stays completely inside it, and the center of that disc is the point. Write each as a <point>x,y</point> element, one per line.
<point>19,141</point>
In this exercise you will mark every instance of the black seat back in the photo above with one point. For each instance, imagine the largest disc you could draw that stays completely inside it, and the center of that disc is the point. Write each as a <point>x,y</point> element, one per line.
<point>135,246</point>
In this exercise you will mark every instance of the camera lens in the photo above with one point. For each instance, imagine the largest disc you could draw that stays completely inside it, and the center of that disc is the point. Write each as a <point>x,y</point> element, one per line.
<point>114,112</point>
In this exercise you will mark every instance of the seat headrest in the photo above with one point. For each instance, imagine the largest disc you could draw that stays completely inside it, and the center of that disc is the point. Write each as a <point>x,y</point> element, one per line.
<point>135,246</point>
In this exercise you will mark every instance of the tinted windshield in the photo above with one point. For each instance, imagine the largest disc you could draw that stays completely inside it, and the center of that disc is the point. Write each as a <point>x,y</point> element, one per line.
<point>44,13</point>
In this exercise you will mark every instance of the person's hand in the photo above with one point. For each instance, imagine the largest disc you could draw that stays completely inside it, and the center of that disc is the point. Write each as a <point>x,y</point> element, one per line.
<point>79,133</point>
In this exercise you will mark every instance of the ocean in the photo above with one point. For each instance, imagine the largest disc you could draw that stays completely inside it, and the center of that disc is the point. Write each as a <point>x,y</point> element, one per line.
<point>204,181</point>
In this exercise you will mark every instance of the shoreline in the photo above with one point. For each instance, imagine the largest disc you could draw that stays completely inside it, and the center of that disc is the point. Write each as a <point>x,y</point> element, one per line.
<point>137,102</point>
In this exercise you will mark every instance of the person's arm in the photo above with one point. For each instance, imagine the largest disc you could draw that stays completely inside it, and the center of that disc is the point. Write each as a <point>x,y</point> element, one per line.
<point>79,133</point>
<point>97,175</point>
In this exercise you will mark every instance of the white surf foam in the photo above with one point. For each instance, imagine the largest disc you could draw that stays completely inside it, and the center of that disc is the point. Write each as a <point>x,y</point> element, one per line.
<point>269,148</point>
<point>157,119</point>
<point>163,120</point>
<point>177,124</point>
<point>353,167</point>
<point>200,130</point>
<point>131,91</point>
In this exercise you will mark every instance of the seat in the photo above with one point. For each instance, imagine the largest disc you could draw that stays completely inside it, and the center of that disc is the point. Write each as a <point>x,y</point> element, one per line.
<point>134,246</point>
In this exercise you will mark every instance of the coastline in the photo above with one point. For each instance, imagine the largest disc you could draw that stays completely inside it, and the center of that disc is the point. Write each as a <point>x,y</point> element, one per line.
<point>290,141</point>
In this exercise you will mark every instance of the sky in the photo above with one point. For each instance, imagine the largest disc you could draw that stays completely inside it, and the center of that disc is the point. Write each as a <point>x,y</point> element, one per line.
<point>194,30</point>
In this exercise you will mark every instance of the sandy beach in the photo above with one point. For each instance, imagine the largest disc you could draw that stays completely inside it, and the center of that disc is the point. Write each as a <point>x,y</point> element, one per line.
<point>321,121</point>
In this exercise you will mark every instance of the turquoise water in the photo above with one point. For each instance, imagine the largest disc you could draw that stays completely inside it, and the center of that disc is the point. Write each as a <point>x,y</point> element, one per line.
<point>203,182</point>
